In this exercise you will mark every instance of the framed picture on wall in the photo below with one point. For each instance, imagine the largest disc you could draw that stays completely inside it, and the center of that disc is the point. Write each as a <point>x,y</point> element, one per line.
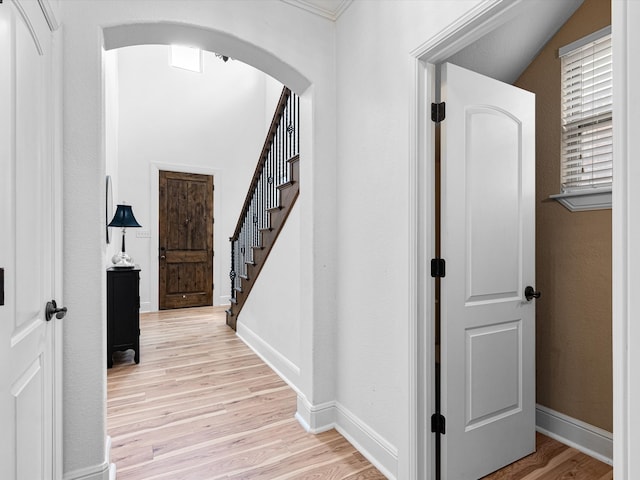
<point>109,207</point>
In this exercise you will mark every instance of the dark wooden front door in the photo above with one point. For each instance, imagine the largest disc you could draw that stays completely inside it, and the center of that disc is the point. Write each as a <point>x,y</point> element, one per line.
<point>186,240</point>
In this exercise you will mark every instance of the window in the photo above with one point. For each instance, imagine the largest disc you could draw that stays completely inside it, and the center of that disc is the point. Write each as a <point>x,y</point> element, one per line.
<point>187,58</point>
<point>587,135</point>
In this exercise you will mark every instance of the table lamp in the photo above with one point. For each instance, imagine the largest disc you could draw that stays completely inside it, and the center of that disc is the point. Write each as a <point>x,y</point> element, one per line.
<point>123,218</point>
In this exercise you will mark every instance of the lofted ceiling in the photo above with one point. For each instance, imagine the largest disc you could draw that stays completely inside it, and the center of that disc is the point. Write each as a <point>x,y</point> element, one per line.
<point>507,51</point>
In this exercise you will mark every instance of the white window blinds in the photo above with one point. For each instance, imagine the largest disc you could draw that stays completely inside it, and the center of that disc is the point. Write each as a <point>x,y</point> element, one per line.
<point>587,153</point>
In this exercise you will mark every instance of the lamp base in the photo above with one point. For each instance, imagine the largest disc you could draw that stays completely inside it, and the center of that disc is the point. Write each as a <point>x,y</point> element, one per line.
<point>122,260</point>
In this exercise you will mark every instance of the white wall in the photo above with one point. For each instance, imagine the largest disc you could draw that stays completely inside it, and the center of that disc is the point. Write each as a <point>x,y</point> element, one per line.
<point>272,328</point>
<point>375,84</point>
<point>111,141</point>
<point>211,123</point>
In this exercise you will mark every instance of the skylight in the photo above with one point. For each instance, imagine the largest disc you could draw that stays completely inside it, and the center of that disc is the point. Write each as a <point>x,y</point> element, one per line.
<point>188,58</point>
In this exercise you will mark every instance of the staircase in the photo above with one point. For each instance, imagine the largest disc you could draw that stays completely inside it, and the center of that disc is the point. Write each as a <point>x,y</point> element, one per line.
<point>271,196</point>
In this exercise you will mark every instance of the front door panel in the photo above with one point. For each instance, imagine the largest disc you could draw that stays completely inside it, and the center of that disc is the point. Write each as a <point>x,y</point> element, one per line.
<point>186,240</point>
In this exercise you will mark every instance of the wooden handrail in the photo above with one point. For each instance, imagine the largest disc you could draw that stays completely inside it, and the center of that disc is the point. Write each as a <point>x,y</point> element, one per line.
<point>275,122</point>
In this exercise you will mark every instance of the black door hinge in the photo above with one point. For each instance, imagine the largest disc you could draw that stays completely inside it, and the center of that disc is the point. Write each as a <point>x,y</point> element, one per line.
<point>437,112</point>
<point>1,279</point>
<point>437,267</point>
<point>438,423</point>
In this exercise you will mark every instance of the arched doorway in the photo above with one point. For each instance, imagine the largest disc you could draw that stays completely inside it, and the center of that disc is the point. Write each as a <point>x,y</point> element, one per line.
<point>86,451</point>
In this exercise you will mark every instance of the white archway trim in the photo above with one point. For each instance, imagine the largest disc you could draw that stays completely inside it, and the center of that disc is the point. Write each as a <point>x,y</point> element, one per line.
<point>253,29</point>
<point>167,33</point>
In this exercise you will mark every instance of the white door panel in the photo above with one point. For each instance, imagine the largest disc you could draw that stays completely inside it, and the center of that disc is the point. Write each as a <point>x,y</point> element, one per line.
<point>493,191</point>
<point>29,392</point>
<point>26,238</point>
<point>487,235</point>
<point>493,372</point>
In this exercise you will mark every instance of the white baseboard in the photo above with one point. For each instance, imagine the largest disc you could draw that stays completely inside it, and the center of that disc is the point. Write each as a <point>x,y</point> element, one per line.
<point>280,364</point>
<point>316,418</point>
<point>97,472</point>
<point>593,441</point>
<point>145,307</point>
<point>374,447</point>
<point>104,471</point>
<point>107,458</point>
<point>323,417</point>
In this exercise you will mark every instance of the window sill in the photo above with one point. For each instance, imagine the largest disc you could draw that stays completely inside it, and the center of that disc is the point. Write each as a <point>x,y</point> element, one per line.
<point>580,201</point>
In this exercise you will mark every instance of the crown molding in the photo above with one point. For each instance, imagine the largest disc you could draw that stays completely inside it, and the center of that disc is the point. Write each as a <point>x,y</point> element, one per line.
<point>330,10</point>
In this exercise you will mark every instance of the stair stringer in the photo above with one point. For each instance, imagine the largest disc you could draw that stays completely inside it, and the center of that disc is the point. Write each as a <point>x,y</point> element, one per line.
<point>277,217</point>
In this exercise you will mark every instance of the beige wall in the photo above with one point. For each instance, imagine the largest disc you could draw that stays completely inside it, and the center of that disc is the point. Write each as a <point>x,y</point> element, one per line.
<point>573,267</point>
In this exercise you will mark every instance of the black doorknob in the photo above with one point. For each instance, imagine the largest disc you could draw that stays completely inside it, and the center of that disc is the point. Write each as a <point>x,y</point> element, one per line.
<point>52,309</point>
<point>530,293</point>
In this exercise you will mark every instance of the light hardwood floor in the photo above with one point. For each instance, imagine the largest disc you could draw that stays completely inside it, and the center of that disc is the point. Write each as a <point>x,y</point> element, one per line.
<point>554,461</point>
<point>201,405</point>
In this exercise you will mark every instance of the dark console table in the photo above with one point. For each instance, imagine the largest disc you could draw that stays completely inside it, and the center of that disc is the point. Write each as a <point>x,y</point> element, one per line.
<point>123,312</point>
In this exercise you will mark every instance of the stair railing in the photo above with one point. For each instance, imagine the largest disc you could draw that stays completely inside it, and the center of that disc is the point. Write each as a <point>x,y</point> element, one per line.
<point>281,144</point>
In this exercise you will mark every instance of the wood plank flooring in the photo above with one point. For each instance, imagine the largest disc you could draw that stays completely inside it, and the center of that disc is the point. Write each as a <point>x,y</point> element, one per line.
<point>201,405</point>
<point>554,461</point>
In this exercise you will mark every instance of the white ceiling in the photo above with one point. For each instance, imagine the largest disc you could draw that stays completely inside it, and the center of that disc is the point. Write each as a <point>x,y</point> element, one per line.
<point>506,52</point>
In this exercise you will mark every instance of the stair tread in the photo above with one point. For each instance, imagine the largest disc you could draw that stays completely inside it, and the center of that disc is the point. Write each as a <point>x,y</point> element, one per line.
<point>288,184</point>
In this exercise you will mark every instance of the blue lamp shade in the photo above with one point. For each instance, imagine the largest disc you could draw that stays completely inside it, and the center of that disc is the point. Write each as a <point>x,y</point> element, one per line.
<point>124,218</point>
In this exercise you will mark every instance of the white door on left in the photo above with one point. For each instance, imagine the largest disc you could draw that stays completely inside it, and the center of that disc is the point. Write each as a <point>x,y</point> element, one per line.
<point>27,363</point>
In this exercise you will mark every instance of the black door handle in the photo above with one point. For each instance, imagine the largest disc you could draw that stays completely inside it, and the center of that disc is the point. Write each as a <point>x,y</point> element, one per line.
<point>52,309</point>
<point>530,293</point>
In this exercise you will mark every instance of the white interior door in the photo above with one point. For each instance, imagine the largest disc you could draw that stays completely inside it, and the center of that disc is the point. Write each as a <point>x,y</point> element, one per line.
<point>26,243</point>
<point>487,235</point>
